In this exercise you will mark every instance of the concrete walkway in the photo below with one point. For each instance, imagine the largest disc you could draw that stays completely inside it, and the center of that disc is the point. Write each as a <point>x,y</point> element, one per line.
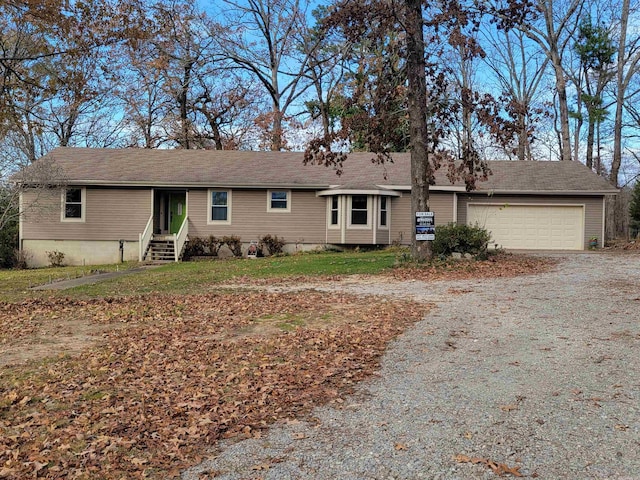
<point>90,279</point>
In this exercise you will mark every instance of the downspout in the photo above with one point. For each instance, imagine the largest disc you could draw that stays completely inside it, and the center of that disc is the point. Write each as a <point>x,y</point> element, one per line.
<point>604,217</point>
<point>374,218</point>
<point>389,200</point>
<point>327,220</point>
<point>343,219</point>
<point>20,220</point>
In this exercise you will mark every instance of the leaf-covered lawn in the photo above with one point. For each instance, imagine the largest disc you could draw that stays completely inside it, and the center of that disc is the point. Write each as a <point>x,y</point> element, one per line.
<point>179,373</point>
<point>141,385</point>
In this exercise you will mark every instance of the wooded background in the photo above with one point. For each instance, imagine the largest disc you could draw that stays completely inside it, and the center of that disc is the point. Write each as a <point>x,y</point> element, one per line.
<point>503,80</point>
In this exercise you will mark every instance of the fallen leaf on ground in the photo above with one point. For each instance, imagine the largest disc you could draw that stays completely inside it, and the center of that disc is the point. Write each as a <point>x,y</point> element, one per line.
<point>497,468</point>
<point>508,408</point>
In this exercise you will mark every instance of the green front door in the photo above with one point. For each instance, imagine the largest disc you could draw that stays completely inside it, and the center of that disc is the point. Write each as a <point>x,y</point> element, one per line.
<point>177,211</point>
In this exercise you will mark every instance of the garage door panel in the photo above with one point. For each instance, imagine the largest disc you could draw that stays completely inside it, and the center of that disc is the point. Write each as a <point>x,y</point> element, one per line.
<point>531,226</point>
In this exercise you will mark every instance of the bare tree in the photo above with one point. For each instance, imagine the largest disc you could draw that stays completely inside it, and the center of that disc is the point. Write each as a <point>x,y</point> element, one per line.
<point>627,68</point>
<point>520,69</point>
<point>558,21</point>
<point>262,42</point>
<point>595,49</point>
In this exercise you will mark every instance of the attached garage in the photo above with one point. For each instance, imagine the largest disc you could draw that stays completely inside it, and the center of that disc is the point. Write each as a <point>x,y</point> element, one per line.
<point>538,205</point>
<point>538,227</point>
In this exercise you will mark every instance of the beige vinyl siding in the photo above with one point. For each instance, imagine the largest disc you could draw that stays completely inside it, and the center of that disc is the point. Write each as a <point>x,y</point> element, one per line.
<point>592,207</point>
<point>359,237</point>
<point>250,220</point>
<point>334,236</point>
<point>401,224</point>
<point>441,203</point>
<point>382,236</point>
<point>111,214</point>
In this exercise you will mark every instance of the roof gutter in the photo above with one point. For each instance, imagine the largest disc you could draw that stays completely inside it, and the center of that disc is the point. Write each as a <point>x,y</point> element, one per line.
<point>98,183</point>
<point>357,191</point>
<point>546,192</point>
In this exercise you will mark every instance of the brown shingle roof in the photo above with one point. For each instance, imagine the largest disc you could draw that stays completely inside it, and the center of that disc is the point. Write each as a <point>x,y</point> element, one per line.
<point>265,169</point>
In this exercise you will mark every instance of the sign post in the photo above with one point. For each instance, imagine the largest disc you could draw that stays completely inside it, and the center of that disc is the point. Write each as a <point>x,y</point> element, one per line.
<point>425,226</point>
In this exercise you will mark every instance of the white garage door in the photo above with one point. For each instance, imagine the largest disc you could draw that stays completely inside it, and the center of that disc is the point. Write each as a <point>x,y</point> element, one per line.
<point>531,227</point>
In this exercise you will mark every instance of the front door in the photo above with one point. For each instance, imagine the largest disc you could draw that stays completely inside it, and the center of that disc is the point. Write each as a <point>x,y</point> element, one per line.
<point>177,211</point>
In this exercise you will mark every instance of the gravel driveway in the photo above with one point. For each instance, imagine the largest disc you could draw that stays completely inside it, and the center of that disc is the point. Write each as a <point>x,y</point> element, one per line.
<point>538,372</point>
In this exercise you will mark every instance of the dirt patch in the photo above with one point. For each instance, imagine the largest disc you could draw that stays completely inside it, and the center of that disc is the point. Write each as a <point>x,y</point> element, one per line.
<point>57,337</point>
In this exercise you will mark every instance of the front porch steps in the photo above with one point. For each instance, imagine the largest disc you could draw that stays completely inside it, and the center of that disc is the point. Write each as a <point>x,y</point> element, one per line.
<point>160,251</point>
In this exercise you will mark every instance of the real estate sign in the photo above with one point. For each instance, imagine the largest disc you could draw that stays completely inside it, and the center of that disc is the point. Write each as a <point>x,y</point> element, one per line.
<point>425,226</point>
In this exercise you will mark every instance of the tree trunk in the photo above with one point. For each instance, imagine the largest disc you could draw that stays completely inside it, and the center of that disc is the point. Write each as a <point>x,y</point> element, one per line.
<point>578,126</point>
<point>591,134</point>
<point>522,137</point>
<point>276,132</point>
<point>420,167</point>
<point>183,98</point>
<point>620,96</point>
<point>215,130</point>
<point>561,88</point>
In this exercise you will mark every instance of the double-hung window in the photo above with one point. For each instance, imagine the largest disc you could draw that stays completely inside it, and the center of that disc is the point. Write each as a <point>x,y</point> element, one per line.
<point>220,206</point>
<point>334,212</point>
<point>359,210</point>
<point>384,212</point>
<point>73,204</point>
<point>279,201</point>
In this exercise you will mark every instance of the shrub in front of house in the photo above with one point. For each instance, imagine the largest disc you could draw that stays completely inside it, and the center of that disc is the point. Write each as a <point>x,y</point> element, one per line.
<point>56,258</point>
<point>234,243</point>
<point>207,247</point>
<point>214,244</point>
<point>465,239</point>
<point>272,244</point>
<point>194,248</point>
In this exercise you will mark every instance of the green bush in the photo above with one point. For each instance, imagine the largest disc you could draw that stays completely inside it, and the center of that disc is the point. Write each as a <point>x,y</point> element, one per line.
<point>8,244</point>
<point>9,229</point>
<point>465,239</point>
<point>634,211</point>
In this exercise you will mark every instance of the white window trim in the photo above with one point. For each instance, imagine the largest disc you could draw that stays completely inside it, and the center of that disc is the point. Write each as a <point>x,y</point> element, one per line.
<point>388,210</point>
<point>369,214</point>
<point>210,207</point>
<point>279,210</point>
<point>83,206</point>
<point>329,224</point>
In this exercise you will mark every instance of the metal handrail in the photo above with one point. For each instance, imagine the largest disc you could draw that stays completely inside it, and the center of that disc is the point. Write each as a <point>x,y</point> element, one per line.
<point>180,238</point>
<point>144,238</point>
